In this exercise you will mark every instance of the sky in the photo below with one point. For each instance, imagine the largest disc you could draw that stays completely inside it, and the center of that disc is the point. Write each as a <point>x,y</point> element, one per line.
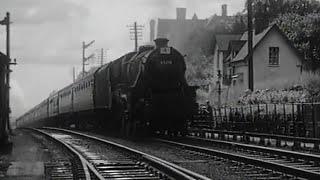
<point>47,35</point>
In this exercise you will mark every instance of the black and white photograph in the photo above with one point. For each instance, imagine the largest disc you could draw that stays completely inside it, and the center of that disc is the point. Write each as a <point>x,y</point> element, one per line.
<point>159,89</point>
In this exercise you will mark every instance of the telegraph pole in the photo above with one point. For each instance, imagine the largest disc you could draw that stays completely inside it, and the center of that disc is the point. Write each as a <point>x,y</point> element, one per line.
<point>135,37</point>
<point>101,60</point>
<point>219,87</point>
<point>136,32</point>
<point>9,70</point>
<point>74,74</point>
<point>84,58</point>
<point>250,48</point>
<point>6,102</point>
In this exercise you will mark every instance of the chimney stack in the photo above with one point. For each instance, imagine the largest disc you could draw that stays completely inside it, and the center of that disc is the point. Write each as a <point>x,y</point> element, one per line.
<point>152,30</point>
<point>224,10</point>
<point>181,13</point>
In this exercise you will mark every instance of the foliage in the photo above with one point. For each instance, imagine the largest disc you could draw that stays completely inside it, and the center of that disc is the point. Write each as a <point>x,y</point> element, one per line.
<point>308,91</point>
<point>273,8</point>
<point>304,32</point>
<point>200,40</point>
<point>274,96</point>
<point>199,46</point>
<point>312,85</point>
<point>199,60</point>
<point>239,26</point>
<point>299,19</point>
<point>199,69</point>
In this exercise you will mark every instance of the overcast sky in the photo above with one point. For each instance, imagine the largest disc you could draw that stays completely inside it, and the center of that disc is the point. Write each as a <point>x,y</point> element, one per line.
<point>46,36</point>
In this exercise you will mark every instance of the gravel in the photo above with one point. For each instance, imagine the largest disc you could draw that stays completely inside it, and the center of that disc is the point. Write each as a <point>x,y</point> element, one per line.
<point>211,167</point>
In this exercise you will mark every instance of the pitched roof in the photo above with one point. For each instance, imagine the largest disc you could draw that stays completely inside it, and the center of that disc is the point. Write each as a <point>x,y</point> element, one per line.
<point>223,40</point>
<point>216,20</point>
<point>243,53</point>
<point>257,38</point>
<point>236,45</point>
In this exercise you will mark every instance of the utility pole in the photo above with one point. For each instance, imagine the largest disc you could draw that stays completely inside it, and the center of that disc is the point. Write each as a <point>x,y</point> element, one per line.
<point>101,62</point>
<point>6,102</point>
<point>219,87</point>
<point>136,34</point>
<point>84,58</point>
<point>74,74</point>
<point>135,37</point>
<point>101,55</point>
<point>250,48</point>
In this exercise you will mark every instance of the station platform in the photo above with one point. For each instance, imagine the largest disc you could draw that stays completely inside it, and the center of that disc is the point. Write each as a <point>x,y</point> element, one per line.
<point>24,159</point>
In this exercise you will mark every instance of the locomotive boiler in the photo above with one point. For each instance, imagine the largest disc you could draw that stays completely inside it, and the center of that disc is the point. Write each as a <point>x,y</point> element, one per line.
<point>140,92</point>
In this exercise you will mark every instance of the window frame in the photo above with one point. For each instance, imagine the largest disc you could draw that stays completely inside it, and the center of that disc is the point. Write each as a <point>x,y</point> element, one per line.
<point>274,56</point>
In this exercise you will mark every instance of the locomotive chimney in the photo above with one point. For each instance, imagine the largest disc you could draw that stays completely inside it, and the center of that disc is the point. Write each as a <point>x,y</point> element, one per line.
<point>161,42</point>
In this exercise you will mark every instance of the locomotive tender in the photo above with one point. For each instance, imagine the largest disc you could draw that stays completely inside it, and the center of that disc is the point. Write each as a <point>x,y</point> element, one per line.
<point>138,92</point>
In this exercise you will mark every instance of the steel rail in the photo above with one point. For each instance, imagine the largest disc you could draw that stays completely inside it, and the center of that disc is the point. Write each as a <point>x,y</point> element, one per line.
<point>261,135</point>
<point>175,171</point>
<point>85,164</point>
<point>280,152</point>
<point>249,160</point>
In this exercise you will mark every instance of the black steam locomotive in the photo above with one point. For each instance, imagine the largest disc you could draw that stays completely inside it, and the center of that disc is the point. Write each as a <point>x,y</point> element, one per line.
<point>144,91</point>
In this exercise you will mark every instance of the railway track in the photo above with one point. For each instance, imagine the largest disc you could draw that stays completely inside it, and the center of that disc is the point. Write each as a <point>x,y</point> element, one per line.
<point>102,159</point>
<point>257,161</point>
<point>303,144</point>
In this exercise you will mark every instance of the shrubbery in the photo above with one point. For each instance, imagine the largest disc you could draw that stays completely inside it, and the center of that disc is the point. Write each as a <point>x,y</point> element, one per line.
<point>308,91</point>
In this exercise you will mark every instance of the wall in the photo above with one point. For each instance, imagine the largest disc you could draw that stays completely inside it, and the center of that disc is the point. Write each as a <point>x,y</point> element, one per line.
<point>266,76</point>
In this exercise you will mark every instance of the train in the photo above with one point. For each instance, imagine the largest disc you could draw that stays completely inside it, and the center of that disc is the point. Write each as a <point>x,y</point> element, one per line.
<point>141,92</point>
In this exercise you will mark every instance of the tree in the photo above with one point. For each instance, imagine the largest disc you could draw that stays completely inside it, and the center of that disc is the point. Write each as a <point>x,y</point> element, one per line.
<point>304,32</point>
<point>199,45</point>
<point>239,26</point>
<point>298,19</point>
<point>274,8</point>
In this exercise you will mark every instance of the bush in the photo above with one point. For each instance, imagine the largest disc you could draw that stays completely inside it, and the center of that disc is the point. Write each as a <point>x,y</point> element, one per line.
<point>308,91</point>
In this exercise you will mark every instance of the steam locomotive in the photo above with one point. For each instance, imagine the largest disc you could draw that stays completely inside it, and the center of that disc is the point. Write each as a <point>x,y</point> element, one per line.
<point>143,91</point>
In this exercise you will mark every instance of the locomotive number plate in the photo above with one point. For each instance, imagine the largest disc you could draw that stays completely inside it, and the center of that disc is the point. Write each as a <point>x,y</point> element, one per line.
<point>164,62</point>
<point>165,50</point>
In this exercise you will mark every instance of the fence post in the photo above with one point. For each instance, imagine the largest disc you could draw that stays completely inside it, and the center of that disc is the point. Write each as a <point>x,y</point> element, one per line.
<point>251,116</point>
<point>299,120</point>
<point>258,111</point>
<point>268,119</point>
<point>215,124</point>
<point>231,118</point>
<point>296,143</point>
<point>278,140</point>
<point>225,115</point>
<point>242,115</point>
<point>221,123</point>
<point>313,121</point>
<point>292,117</point>
<point>303,120</point>
<point>285,119</point>
<point>237,115</point>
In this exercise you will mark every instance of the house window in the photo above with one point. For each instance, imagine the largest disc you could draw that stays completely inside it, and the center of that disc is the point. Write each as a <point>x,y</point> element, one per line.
<point>273,55</point>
